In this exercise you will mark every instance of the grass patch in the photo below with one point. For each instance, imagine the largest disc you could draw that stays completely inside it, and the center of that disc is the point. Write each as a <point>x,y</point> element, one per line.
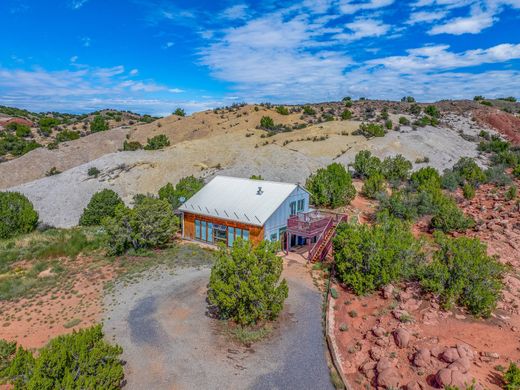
<point>72,323</point>
<point>248,335</point>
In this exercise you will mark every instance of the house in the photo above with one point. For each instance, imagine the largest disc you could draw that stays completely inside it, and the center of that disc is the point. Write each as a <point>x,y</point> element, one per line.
<point>229,207</point>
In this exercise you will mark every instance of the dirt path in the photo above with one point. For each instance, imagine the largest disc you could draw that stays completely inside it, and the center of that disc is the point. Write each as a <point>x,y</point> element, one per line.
<point>170,343</point>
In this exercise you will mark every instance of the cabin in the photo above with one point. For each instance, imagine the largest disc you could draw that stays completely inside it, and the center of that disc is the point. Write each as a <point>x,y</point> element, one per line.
<point>229,207</point>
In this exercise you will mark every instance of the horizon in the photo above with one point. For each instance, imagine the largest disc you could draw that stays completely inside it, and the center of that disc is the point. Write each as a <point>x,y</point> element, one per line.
<point>150,57</point>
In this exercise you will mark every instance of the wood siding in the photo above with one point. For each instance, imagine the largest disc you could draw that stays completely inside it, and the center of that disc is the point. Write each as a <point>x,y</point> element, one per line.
<point>256,233</point>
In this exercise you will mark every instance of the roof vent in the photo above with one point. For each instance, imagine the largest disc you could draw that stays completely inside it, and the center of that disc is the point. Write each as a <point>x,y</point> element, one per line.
<point>259,192</point>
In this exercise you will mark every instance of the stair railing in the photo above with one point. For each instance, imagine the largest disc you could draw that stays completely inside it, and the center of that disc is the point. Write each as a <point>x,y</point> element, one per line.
<point>314,249</point>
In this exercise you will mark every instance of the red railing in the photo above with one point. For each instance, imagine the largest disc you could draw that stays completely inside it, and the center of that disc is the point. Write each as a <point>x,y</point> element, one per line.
<point>319,241</point>
<point>334,222</point>
<point>307,224</point>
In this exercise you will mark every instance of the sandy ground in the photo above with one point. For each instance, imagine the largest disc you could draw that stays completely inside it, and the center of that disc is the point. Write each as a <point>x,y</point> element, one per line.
<point>161,323</point>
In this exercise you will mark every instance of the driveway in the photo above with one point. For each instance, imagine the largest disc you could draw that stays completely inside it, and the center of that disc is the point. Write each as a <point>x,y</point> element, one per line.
<point>170,343</point>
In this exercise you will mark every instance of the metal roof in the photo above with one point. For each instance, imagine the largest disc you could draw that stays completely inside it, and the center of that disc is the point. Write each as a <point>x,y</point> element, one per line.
<point>238,199</point>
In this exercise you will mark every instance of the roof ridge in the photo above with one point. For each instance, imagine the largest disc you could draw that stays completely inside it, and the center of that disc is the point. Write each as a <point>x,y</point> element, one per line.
<point>260,181</point>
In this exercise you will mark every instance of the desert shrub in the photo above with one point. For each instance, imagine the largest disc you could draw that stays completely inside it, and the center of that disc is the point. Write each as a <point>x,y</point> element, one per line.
<point>282,110</point>
<point>509,158</point>
<point>432,111</point>
<point>415,109</point>
<point>256,177</point>
<point>17,215</point>
<point>267,123</point>
<point>98,124</point>
<point>469,171</point>
<point>158,142</point>
<point>373,185</point>
<point>150,224</point>
<point>131,146</point>
<point>327,117</point>
<point>468,191</point>
<point>449,217</point>
<point>497,175</point>
<point>81,360</point>
<point>450,180</point>
<point>46,124</point>
<point>400,204</point>
<point>404,121</point>
<point>346,115</point>
<point>512,377</point>
<point>370,130</point>
<point>179,112</point>
<point>408,99</point>
<point>369,257</point>
<point>396,169</point>
<point>102,204</point>
<point>388,124</point>
<point>22,130</point>
<point>185,188</point>
<point>7,351</point>
<point>478,98</point>
<point>331,186</point>
<point>93,171</point>
<point>462,273</point>
<point>16,146</point>
<point>516,171</point>
<point>426,177</point>
<point>511,193</point>
<point>365,164</point>
<point>67,135</point>
<point>486,103</point>
<point>308,110</point>
<point>245,285</point>
<point>495,145</point>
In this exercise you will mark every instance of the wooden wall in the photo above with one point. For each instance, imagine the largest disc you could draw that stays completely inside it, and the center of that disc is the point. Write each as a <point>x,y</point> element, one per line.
<point>256,233</point>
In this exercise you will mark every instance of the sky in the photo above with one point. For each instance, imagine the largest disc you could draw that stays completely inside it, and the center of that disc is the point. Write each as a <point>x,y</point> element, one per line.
<point>151,56</point>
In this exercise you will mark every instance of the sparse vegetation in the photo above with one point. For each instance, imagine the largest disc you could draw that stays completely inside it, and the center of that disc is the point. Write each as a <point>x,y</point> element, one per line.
<point>512,377</point>
<point>370,130</point>
<point>158,142</point>
<point>131,146</point>
<point>179,112</point>
<point>183,190</point>
<point>282,110</point>
<point>98,124</point>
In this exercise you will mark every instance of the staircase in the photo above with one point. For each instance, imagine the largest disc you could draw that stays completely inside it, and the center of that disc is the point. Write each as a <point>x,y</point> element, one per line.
<point>323,246</point>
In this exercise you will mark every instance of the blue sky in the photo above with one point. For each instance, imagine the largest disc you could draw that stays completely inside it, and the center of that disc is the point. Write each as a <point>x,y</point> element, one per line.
<point>151,56</point>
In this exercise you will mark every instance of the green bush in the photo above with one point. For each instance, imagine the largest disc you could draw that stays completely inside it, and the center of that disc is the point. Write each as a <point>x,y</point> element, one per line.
<point>512,377</point>
<point>158,142</point>
<point>331,186</point>
<point>102,204</point>
<point>497,175</point>
<point>150,224</point>
<point>245,285</point>
<point>131,146</point>
<point>46,124</point>
<point>516,171</point>
<point>17,215</point>
<point>22,130</point>
<point>415,109</point>
<point>450,180</point>
<point>98,124</point>
<point>266,122</point>
<point>67,135</point>
<point>365,164</point>
<point>93,171</point>
<point>400,204</point>
<point>185,188</point>
<point>426,177</point>
<point>396,169</point>
<point>308,110</point>
<point>495,145</point>
<point>81,360</point>
<point>282,110</point>
<point>346,115</point>
<point>373,185</point>
<point>462,273</point>
<point>389,124</point>
<point>370,130</point>
<point>432,111</point>
<point>468,191</point>
<point>179,112</point>
<point>15,145</point>
<point>7,351</point>
<point>469,171</point>
<point>369,257</point>
<point>449,217</point>
<point>511,193</point>
<point>404,121</point>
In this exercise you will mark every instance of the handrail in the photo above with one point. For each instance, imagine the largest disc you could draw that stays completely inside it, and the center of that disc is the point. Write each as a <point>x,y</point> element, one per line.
<point>312,251</point>
<point>334,221</point>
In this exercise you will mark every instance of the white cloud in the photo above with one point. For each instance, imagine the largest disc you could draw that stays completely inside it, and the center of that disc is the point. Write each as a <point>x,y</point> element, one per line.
<point>350,6</point>
<point>363,28</point>
<point>472,24</point>
<point>238,11</point>
<point>426,16</point>
<point>134,72</point>
<point>73,59</point>
<point>77,4</point>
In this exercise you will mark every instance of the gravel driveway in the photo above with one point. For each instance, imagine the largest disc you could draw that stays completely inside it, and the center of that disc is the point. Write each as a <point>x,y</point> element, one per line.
<point>170,343</point>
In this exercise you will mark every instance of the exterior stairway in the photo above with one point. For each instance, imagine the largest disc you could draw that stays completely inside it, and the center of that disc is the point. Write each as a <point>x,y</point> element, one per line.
<point>323,246</point>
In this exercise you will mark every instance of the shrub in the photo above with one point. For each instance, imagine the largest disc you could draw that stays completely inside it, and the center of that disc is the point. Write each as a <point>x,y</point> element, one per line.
<point>408,99</point>
<point>370,130</point>
<point>331,186</point>
<point>79,360</point>
<point>516,171</point>
<point>373,185</point>
<point>22,130</point>
<point>102,204</point>
<point>132,146</point>
<point>415,109</point>
<point>511,193</point>
<point>17,215</point>
<point>426,177</point>
<point>150,224</point>
<point>93,171</point>
<point>46,124</point>
<point>256,177</point>
<point>179,112</point>
<point>478,98</point>
<point>432,111</point>
<point>399,204</point>
<point>52,172</point>
<point>450,180</point>
<point>16,146</point>
<point>346,115</point>
<point>365,164</point>
<point>282,110</point>
<point>267,123</point>
<point>462,273</point>
<point>449,217</point>
<point>469,171</point>
<point>369,257</point>
<point>495,145</point>
<point>486,103</point>
<point>404,121</point>
<point>396,169</point>
<point>158,142</point>
<point>98,124</point>
<point>388,124</point>
<point>497,175</point>
<point>67,135</point>
<point>308,110</point>
<point>245,285</point>
<point>512,377</point>
<point>468,191</point>
<point>185,188</point>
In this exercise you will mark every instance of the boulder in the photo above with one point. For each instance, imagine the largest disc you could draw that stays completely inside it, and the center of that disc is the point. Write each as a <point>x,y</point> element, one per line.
<point>450,355</point>
<point>413,385</point>
<point>462,364</point>
<point>388,291</point>
<point>389,379</point>
<point>448,377</point>
<point>368,369</point>
<point>378,331</point>
<point>422,358</point>
<point>384,364</point>
<point>465,351</point>
<point>376,353</point>
<point>402,338</point>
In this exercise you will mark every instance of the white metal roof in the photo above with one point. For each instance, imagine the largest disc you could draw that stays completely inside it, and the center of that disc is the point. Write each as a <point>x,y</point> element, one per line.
<point>238,199</point>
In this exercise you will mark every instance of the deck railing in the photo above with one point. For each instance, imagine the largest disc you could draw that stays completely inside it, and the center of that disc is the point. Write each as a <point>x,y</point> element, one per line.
<point>334,221</point>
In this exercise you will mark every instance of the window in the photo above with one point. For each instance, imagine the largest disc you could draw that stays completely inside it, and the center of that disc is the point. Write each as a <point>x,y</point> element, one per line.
<point>245,235</point>
<point>292,206</point>
<point>231,236</point>
<point>274,237</point>
<point>220,232</point>
<point>210,232</point>
<point>301,204</point>
<point>197,229</point>
<point>239,232</point>
<point>203,231</point>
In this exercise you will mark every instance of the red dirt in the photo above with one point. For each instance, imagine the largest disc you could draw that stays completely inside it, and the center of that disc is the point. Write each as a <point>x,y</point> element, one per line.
<point>504,123</point>
<point>20,121</point>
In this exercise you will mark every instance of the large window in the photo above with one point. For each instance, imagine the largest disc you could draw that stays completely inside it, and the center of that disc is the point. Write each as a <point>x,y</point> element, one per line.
<point>197,229</point>
<point>301,204</point>
<point>245,234</point>
<point>231,236</point>
<point>203,227</point>
<point>292,206</point>
<point>210,232</point>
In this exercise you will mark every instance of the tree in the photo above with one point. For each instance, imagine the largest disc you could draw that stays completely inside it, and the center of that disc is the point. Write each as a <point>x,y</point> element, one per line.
<point>102,204</point>
<point>370,130</point>
<point>432,111</point>
<point>449,217</point>
<point>373,185</point>
<point>426,177</point>
<point>369,257</point>
<point>158,142</point>
<point>81,360</point>
<point>150,224</point>
<point>98,124</point>
<point>17,215</point>
<point>346,114</point>
<point>245,285</point>
<point>396,169</point>
<point>282,110</point>
<point>331,186</point>
<point>365,164</point>
<point>462,273</point>
<point>184,189</point>
<point>469,171</point>
<point>179,112</point>
<point>266,122</point>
